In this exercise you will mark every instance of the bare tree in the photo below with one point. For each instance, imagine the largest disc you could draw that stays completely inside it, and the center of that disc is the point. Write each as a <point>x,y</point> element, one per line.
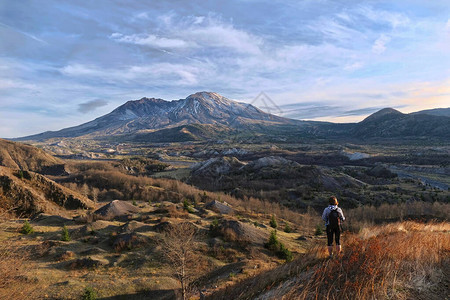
<point>178,247</point>
<point>94,194</point>
<point>85,190</point>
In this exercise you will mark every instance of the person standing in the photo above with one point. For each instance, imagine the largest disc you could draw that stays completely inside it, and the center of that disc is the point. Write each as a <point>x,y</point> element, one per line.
<point>333,216</point>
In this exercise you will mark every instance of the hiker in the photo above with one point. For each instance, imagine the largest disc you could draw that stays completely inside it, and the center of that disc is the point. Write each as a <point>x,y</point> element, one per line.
<point>333,216</point>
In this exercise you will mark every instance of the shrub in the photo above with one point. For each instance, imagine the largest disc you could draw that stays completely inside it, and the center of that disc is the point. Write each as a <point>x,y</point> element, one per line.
<point>287,228</point>
<point>284,253</point>
<point>319,230</point>
<point>20,174</point>
<point>134,203</point>
<point>273,222</point>
<point>65,234</point>
<point>26,228</point>
<point>187,206</point>
<point>275,246</point>
<point>173,212</point>
<point>89,294</point>
<point>214,229</point>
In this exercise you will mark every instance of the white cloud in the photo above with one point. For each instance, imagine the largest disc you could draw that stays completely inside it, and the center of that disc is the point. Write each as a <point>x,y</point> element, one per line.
<point>379,46</point>
<point>150,40</point>
<point>353,66</point>
<point>195,32</point>
<point>332,29</point>
<point>394,19</point>
<point>161,73</point>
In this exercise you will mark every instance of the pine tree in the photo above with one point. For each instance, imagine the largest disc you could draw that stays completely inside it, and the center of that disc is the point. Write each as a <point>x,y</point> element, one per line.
<point>273,222</point>
<point>65,234</point>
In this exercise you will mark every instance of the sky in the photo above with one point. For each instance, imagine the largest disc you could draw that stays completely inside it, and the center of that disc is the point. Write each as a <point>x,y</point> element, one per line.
<point>63,63</point>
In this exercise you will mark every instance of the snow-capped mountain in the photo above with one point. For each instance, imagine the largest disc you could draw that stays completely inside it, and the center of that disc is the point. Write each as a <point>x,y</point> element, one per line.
<point>151,113</point>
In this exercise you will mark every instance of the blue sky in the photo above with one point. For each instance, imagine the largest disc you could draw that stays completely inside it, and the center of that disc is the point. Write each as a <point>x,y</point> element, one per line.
<point>63,63</point>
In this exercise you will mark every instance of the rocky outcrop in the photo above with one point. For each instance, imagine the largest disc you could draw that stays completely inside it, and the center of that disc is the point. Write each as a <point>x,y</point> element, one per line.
<point>116,209</point>
<point>219,207</point>
<point>243,231</point>
<point>216,166</point>
<point>271,161</point>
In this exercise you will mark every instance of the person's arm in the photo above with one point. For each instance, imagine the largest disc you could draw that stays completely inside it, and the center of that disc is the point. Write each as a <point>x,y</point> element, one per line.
<point>325,214</point>
<point>341,214</point>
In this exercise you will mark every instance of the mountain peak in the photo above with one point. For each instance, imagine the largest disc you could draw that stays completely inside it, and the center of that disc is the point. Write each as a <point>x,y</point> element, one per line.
<point>143,100</point>
<point>153,113</point>
<point>204,94</point>
<point>209,97</point>
<point>383,113</point>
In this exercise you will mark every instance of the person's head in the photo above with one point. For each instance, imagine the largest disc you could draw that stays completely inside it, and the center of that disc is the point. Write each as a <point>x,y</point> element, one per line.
<point>333,200</point>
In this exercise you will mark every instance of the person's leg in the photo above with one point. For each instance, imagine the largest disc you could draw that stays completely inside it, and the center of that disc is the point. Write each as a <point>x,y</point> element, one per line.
<point>330,240</point>
<point>337,233</point>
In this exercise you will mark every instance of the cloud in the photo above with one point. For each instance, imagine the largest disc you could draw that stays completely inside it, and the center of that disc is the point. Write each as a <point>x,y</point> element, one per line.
<point>194,32</point>
<point>89,106</point>
<point>150,40</point>
<point>394,19</point>
<point>158,73</point>
<point>379,46</point>
<point>29,35</point>
<point>341,55</point>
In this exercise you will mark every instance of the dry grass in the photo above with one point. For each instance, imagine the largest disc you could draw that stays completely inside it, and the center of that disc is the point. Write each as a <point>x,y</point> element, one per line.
<point>365,216</point>
<point>407,260</point>
<point>13,264</point>
<point>395,261</point>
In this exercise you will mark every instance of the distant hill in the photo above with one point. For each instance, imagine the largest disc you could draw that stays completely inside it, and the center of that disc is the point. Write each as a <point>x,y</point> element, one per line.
<point>390,123</point>
<point>26,157</point>
<point>444,112</point>
<point>151,113</point>
<point>189,132</point>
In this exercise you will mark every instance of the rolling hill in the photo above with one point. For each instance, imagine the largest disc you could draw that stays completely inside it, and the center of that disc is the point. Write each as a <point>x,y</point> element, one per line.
<point>445,112</point>
<point>390,123</point>
<point>25,157</point>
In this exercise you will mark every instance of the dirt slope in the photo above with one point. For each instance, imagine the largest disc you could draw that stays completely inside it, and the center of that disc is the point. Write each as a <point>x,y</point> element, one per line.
<point>26,193</point>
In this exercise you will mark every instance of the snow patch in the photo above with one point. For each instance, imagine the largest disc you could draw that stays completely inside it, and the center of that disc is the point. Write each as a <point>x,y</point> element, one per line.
<point>356,155</point>
<point>128,115</point>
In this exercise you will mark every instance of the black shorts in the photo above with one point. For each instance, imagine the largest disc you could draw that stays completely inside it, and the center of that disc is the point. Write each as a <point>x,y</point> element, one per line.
<point>337,234</point>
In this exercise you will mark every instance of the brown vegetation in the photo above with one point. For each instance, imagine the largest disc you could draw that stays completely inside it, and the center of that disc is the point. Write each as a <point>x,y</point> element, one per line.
<point>27,193</point>
<point>25,157</point>
<point>397,261</point>
<point>13,264</point>
<point>179,249</point>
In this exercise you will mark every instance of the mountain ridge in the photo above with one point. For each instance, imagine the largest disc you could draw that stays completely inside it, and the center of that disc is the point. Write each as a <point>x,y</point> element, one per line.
<point>158,120</point>
<point>154,113</point>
